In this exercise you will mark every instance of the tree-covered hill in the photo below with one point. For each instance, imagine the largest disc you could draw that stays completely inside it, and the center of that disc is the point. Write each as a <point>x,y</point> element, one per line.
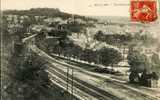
<point>48,12</point>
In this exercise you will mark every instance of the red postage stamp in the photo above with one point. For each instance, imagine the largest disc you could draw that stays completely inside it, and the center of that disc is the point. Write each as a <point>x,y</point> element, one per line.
<point>143,10</point>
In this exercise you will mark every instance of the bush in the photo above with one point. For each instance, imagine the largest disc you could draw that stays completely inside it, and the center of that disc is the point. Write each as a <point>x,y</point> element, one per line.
<point>29,75</point>
<point>109,56</point>
<point>113,39</point>
<point>88,55</point>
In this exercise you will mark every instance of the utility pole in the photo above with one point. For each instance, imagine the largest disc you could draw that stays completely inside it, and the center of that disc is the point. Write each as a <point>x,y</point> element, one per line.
<point>72,84</point>
<point>73,18</point>
<point>67,77</point>
<point>72,67</point>
<point>71,95</point>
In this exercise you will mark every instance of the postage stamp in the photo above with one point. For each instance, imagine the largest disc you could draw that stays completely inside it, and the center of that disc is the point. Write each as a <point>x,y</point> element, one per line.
<point>143,10</point>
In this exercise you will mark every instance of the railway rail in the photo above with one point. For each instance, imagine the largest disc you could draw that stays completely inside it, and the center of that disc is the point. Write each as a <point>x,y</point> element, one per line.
<point>84,90</point>
<point>130,91</point>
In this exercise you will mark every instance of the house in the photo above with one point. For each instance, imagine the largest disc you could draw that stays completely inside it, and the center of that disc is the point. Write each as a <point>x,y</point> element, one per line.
<point>80,21</point>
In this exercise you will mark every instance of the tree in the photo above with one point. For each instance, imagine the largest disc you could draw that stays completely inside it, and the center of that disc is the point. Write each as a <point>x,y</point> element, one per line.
<point>109,56</point>
<point>138,62</point>
<point>113,39</point>
<point>99,36</point>
<point>155,63</point>
<point>88,55</point>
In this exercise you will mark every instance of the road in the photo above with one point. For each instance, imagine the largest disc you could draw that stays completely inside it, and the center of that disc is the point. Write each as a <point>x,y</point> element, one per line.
<point>90,85</point>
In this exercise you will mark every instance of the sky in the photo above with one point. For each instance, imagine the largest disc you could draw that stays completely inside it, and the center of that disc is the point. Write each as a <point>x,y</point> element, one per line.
<point>81,7</point>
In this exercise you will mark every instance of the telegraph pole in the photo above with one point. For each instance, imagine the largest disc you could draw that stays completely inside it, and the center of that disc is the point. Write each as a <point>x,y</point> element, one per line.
<point>67,77</point>
<point>72,84</point>
<point>72,67</point>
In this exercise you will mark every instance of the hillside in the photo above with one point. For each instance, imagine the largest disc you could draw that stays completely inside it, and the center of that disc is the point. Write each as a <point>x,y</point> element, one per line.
<point>48,12</point>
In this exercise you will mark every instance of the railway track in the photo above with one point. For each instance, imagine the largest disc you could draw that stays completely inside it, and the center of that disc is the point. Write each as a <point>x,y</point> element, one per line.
<point>61,83</point>
<point>86,90</point>
<point>93,91</point>
<point>111,84</point>
<point>117,83</point>
<point>114,84</point>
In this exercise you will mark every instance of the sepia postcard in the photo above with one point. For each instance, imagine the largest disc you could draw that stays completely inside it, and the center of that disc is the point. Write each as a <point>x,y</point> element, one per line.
<point>80,49</point>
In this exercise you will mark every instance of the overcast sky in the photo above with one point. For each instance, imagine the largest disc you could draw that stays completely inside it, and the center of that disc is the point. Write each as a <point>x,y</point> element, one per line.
<point>83,7</point>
